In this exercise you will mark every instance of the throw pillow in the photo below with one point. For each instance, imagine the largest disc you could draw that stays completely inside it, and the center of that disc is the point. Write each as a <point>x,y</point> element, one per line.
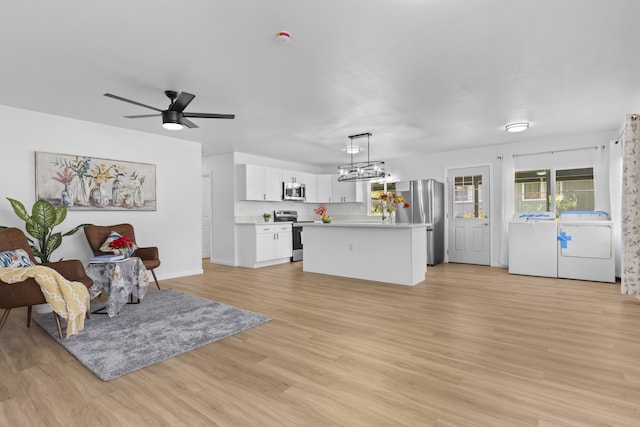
<point>18,258</point>
<point>105,246</point>
<point>113,236</point>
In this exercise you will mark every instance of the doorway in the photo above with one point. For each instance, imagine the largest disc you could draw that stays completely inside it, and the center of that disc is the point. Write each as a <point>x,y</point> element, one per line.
<point>469,215</point>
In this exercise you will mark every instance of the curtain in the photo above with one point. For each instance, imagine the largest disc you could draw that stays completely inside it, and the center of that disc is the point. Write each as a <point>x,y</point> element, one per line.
<point>630,284</point>
<point>508,173</point>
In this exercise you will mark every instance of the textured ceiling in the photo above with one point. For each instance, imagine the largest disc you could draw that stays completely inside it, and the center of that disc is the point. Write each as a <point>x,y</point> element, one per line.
<point>420,75</point>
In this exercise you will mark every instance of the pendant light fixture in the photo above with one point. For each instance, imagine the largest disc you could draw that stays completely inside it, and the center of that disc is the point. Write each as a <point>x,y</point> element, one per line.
<point>360,171</point>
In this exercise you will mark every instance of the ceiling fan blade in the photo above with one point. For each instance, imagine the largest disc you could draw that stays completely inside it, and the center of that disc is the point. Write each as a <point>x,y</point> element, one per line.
<point>181,102</point>
<point>188,123</point>
<point>119,98</point>
<point>209,116</point>
<point>142,115</point>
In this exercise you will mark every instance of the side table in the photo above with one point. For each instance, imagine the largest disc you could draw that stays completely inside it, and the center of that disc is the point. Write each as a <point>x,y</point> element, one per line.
<point>120,279</point>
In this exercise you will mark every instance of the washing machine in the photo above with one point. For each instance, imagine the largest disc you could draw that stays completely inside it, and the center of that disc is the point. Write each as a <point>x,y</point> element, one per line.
<point>532,244</point>
<point>586,246</point>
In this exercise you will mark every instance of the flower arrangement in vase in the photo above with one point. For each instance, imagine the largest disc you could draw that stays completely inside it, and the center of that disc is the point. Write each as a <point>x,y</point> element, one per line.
<point>100,175</point>
<point>322,211</point>
<point>123,245</point>
<point>389,203</point>
<point>65,177</point>
<point>80,166</point>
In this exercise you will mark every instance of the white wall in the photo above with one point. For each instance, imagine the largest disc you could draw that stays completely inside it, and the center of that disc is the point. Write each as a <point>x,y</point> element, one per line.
<point>175,226</point>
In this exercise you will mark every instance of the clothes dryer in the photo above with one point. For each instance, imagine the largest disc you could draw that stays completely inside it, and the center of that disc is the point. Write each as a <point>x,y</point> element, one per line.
<point>586,246</point>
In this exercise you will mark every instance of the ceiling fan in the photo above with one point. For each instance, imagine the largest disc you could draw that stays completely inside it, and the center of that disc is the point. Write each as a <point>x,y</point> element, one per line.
<point>174,117</point>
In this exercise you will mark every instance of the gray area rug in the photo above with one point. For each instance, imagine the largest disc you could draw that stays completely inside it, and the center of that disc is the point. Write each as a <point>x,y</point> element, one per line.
<point>165,324</point>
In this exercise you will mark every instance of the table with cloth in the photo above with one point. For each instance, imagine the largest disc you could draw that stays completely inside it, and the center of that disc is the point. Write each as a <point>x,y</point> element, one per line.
<point>121,279</point>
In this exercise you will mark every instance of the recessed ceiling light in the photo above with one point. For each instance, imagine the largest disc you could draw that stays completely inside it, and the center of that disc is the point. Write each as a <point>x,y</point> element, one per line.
<point>517,127</point>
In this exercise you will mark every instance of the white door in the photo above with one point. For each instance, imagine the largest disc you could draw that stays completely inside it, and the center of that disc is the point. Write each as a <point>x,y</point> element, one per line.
<point>469,226</point>
<point>206,215</point>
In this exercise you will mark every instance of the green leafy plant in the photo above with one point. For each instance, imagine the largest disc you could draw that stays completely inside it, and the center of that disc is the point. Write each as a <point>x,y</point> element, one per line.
<point>44,217</point>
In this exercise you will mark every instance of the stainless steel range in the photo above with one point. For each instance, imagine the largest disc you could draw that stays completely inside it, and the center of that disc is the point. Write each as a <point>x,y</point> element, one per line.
<point>297,226</point>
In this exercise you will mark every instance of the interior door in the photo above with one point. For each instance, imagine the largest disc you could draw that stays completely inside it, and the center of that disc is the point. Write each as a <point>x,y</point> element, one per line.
<point>469,226</point>
<point>206,215</point>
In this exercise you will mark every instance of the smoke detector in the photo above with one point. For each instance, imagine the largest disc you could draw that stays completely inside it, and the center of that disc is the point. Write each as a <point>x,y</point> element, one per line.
<point>283,37</point>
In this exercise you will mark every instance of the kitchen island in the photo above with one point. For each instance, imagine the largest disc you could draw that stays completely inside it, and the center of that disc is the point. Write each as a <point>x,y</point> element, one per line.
<point>391,253</point>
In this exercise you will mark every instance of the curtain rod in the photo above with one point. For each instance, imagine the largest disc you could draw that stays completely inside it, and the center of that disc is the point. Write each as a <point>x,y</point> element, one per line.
<point>595,147</point>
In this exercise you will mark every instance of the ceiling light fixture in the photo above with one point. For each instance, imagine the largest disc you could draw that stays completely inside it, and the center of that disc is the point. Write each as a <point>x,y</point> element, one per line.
<point>352,149</point>
<point>517,127</point>
<point>171,120</point>
<point>360,171</point>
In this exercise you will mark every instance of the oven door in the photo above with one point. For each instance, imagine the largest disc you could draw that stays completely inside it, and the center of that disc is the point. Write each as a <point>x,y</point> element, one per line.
<point>297,242</point>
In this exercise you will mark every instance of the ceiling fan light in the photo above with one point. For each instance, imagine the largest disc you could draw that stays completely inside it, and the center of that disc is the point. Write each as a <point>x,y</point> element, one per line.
<point>171,120</point>
<point>517,127</point>
<point>172,126</point>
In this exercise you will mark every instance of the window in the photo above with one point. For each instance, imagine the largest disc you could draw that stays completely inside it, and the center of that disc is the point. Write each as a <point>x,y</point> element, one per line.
<point>467,196</point>
<point>575,190</point>
<point>534,190</point>
<point>531,191</point>
<point>377,189</point>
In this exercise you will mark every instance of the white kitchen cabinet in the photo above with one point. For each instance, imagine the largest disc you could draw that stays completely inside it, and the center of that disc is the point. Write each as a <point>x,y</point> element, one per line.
<point>323,190</point>
<point>260,183</point>
<point>260,245</point>
<point>345,192</point>
<point>330,190</point>
<point>311,187</point>
<point>293,176</point>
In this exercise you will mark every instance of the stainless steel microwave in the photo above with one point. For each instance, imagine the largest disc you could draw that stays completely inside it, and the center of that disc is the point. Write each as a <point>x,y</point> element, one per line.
<point>293,191</point>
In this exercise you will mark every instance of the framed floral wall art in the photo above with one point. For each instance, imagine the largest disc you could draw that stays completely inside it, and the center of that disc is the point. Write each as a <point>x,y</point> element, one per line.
<point>90,183</point>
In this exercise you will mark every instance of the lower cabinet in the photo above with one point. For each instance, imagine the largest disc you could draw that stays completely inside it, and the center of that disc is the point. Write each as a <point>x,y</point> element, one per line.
<point>260,245</point>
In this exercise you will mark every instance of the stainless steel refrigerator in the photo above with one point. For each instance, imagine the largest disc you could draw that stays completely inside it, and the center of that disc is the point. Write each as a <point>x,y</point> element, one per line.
<point>426,198</point>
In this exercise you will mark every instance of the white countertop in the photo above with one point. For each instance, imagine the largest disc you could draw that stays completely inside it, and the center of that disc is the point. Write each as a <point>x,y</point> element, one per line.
<point>364,225</point>
<point>264,223</point>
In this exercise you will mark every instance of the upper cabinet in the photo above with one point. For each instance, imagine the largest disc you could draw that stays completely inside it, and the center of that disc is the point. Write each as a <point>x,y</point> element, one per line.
<point>323,191</point>
<point>265,183</point>
<point>260,183</point>
<point>310,182</point>
<point>330,190</point>
<point>344,192</point>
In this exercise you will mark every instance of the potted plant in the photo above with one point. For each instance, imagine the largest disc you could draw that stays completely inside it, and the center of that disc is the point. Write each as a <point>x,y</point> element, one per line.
<point>266,216</point>
<point>44,217</point>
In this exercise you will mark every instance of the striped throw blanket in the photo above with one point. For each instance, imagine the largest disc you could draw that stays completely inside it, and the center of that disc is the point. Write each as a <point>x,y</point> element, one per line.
<point>70,300</point>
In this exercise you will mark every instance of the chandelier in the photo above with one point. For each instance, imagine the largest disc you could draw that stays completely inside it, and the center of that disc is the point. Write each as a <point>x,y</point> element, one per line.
<point>360,171</point>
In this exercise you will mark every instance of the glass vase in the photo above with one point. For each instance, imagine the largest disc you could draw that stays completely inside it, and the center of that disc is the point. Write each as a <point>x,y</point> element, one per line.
<point>138,197</point>
<point>99,196</point>
<point>82,192</point>
<point>391,217</point>
<point>66,196</point>
<point>117,193</point>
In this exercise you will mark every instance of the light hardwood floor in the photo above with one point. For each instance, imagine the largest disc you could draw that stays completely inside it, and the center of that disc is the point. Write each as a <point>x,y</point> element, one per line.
<point>469,346</point>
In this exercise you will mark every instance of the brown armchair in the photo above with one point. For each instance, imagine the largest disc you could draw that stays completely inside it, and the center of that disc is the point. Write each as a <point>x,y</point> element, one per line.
<point>28,293</point>
<point>97,234</point>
